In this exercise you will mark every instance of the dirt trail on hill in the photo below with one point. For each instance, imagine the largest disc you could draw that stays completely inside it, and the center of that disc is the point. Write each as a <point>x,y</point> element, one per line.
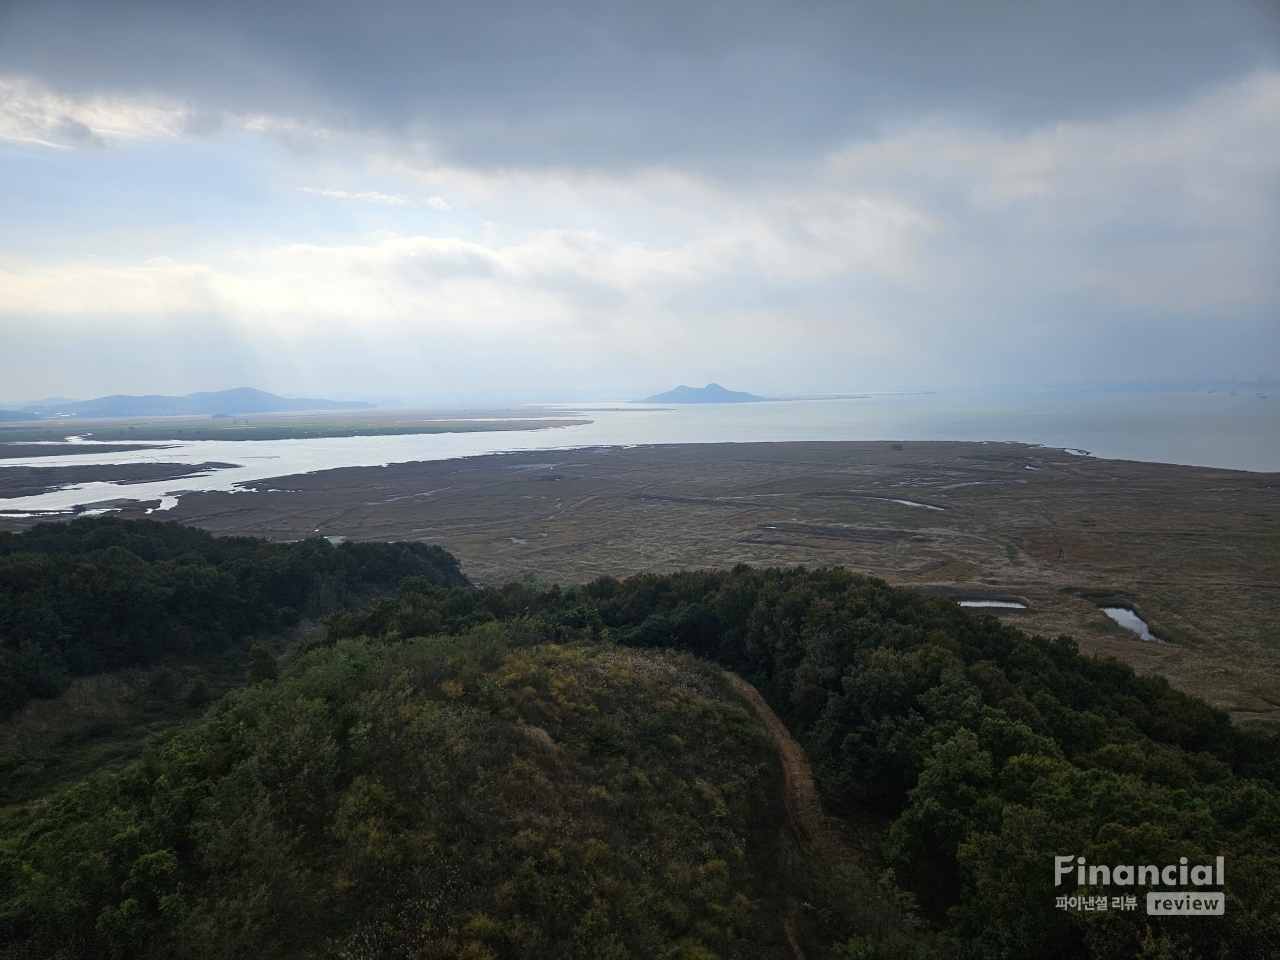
<point>817,834</point>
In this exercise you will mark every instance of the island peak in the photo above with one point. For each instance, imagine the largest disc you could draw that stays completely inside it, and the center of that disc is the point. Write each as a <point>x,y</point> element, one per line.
<point>711,393</point>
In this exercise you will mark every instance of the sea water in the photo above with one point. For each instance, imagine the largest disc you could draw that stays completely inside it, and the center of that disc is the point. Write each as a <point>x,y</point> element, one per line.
<point>1192,427</point>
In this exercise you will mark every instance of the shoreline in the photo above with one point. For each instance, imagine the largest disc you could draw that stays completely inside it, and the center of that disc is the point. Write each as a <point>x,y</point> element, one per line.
<point>1196,549</point>
<point>113,494</point>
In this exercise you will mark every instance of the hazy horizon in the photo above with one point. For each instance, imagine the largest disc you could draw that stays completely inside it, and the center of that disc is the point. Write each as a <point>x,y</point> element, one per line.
<point>534,396</point>
<point>509,200</point>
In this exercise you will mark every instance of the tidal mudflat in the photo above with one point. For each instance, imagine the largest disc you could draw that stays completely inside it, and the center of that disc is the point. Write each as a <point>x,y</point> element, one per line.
<point>272,426</point>
<point>1069,535</point>
<point>15,450</point>
<point>27,481</point>
<point>1161,426</point>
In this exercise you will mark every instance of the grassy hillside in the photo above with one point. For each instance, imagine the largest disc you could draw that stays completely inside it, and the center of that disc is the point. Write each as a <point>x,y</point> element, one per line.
<point>445,797</point>
<point>531,771</point>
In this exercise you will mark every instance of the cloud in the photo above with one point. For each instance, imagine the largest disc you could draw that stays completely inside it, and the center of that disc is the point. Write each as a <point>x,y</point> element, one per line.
<point>1168,210</point>
<point>789,239</point>
<point>938,250</point>
<point>619,86</point>
<point>367,196</point>
<point>31,113</point>
<point>372,196</point>
<point>89,295</point>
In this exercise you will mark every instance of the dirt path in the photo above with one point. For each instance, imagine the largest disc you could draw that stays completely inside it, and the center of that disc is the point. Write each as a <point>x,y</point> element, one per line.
<point>820,846</point>
<point>817,834</point>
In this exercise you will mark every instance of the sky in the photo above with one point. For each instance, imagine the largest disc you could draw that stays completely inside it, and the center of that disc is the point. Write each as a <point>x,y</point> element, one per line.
<point>532,200</point>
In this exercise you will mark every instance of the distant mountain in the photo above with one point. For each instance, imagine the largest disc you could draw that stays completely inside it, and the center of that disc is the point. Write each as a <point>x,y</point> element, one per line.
<point>711,393</point>
<point>46,402</point>
<point>231,402</point>
<point>16,415</point>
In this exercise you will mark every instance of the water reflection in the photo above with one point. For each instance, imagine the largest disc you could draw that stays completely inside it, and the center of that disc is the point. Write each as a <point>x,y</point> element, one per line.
<point>1131,621</point>
<point>1168,426</point>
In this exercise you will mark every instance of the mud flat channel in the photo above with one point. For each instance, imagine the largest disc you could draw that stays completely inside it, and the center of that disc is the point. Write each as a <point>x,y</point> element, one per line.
<point>1197,550</point>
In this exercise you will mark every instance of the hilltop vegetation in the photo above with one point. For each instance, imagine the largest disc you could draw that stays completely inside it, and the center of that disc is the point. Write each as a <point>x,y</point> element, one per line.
<point>100,594</point>
<point>531,771</point>
<point>985,750</point>
<point>473,797</point>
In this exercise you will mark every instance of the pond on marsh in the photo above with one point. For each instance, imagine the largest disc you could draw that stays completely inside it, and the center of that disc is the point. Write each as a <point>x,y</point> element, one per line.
<point>1130,621</point>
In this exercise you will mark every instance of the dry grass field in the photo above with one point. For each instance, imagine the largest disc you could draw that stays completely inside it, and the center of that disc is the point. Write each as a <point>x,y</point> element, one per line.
<point>1196,552</point>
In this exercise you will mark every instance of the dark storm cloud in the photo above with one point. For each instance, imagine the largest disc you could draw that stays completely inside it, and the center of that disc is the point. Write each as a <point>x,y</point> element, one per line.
<point>623,83</point>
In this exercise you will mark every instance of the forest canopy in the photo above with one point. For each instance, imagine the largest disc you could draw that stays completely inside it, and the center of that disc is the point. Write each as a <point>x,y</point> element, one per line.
<point>986,751</point>
<point>101,593</point>
<point>427,778</point>
<point>472,797</point>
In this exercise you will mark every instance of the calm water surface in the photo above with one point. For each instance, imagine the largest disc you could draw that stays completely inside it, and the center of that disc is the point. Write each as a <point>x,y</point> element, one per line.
<point>1130,621</point>
<point>1196,428</point>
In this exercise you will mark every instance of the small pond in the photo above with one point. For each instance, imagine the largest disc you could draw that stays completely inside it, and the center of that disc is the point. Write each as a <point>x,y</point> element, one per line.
<point>1130,621</point>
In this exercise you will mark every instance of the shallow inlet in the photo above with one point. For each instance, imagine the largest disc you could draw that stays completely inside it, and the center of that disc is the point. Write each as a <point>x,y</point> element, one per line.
<point>1130,621</point>
<point>1002,604</point>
